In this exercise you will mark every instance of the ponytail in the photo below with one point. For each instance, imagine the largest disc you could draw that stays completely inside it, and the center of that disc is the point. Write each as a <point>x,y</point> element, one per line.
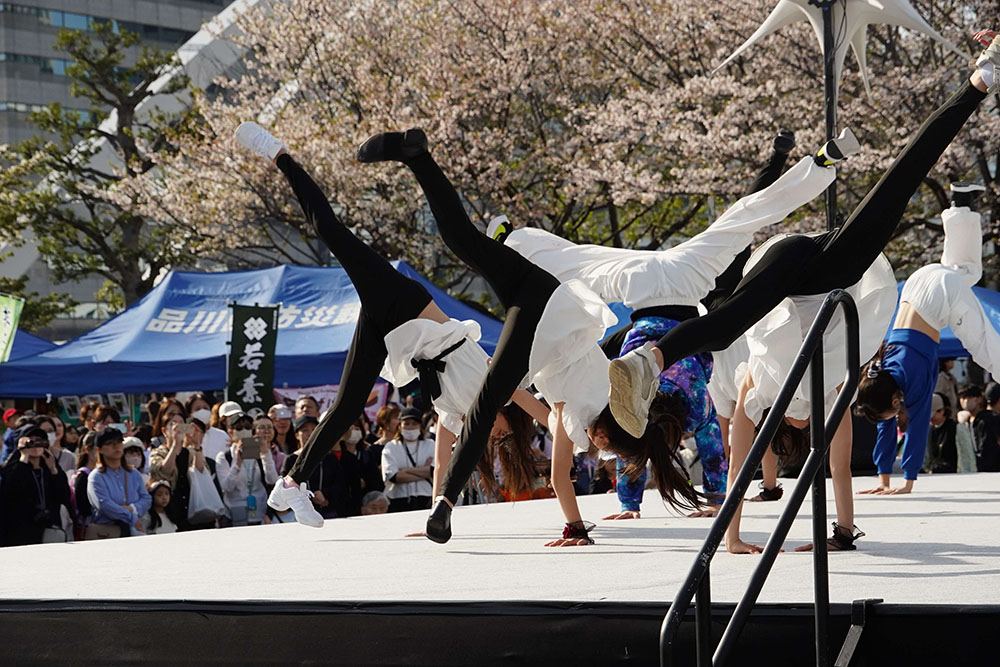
<point>658,445</point>
<point>876,389</point>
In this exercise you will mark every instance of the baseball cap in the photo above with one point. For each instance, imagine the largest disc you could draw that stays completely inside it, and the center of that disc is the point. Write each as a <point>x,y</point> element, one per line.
<point>992,394</point>
<point>281,411</point>
<point>133,441</point>
<point>230,409</point>
<point>410,413</point>
<point>109,436</point>
<point>299,422</point>
<point>937,403</point>
<point>32,431</point>
<point>10,412</point>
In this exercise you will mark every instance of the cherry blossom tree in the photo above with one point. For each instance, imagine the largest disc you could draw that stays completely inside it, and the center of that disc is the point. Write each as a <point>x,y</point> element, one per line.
<point>598,120</point>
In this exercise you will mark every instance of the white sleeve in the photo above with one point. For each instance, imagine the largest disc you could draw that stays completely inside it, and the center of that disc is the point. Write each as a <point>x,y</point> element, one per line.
<point>228,475</point>
<point>390,464</point>
<point>449,421</point>
<point>270,470</point>
<point>963,243</point>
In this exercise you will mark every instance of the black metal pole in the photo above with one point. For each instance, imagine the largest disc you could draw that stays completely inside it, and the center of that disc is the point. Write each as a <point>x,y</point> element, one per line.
<point>703,621</point>
<point>830,98</point>
<point>819,447</point>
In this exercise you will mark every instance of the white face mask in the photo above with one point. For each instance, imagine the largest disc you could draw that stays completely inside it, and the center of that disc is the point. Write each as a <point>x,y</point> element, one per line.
<point>52,438</point>
<point>134,460</point>
<point>353,436</point>
<point>410,434</point>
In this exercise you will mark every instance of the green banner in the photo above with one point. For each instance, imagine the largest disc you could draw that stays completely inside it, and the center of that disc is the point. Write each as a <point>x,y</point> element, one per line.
<point>10,314</point>
<point>251,356</point>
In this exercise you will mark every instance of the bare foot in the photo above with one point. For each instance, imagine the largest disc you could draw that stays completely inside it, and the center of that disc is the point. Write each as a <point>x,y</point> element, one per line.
<point>708,512</point>
<point>571,542</point>
<point>627,514</point>
<point>876,491</point>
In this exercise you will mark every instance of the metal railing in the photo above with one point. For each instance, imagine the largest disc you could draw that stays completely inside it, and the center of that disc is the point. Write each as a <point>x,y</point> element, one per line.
<point>697,582</point>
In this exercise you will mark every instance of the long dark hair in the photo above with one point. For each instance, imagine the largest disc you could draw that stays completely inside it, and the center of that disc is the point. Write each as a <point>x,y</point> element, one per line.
<point>514,451</point>
<point>658,445</point>
<point>789,442</point>
<point>876,389</point>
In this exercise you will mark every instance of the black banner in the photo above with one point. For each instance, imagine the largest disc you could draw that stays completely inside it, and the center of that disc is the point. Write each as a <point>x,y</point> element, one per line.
<point>251,356</point>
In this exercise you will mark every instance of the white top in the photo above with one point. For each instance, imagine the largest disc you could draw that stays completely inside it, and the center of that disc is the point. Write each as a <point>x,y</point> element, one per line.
<point>728,367</point>
<point>681,275</point>
<point>464,368</point>
<point>566,364</point>
<point>395,458</point>
<point>214,443</point>
<point>775,340</point>
<point>166,525</point>
<point>238,482</point>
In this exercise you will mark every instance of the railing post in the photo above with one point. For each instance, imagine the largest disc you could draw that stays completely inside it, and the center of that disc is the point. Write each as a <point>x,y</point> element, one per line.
<point>703,621</point>
<point>817,432</point>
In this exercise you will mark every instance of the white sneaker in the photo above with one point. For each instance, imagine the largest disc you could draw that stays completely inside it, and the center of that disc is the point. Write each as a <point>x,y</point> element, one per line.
<point>842,146</point>
<point>988,62</point>
<point>298,499</point>
<point>499,228</point>
<point>253,137</point>
<point>635,379</point>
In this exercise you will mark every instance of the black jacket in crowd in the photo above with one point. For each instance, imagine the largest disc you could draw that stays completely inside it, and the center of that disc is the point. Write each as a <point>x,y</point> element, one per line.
<point>23,515</point>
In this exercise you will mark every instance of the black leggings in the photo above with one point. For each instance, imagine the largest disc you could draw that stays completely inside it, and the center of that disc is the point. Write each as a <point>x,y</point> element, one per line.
<point>388,299</point>
<point>837,259</point>
<point>725,283</point>
<point>521,287</point>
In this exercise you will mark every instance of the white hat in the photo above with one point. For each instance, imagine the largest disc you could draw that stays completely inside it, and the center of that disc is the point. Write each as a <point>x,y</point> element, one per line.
<point>230,409</point>
<point>132,441</point>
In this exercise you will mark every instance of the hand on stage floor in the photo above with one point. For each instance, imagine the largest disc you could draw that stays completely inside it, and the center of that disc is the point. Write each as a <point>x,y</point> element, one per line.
<point>876,491</point>
<point>707,513</point>
<point>571,542</point>
<point>627,514</point>
<point>897,490</point>
<point>420,534</point>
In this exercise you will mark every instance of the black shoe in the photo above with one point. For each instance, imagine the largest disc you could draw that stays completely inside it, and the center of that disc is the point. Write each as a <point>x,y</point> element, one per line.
<point>439,523</point>
<point>397,146</point>
<point>965,194</point>
<point>784,142</point>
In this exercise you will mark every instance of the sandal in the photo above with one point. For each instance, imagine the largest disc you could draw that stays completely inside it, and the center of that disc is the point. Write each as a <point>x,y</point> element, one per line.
<point>843,538</point>
<point>768,495</point>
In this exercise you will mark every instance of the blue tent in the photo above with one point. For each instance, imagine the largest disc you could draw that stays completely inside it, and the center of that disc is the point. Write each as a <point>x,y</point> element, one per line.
<point>175,337</point>
<point>950,345</point>
<point>26,344</point>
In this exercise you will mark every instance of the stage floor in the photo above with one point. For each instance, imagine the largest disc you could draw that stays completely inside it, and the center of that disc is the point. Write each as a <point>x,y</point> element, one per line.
<point>940,545</point>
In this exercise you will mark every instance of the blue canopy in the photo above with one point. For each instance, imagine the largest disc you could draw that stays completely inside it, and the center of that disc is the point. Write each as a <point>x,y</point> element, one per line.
<point>175,337</point>
<point>26,344</point>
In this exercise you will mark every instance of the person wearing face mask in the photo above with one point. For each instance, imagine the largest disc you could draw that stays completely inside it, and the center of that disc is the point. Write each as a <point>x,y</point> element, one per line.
<point>407,465</point>
<point>135,456</point>
<point>32,492</point>
<point>368,463</point>
<point>335,485</point>
<point>64,459</point>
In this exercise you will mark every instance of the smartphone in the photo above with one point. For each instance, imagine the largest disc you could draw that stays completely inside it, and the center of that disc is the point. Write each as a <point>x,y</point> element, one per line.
<point>251,448</point>
<point>242,434</point>
<point>185,429</point>
<point>121,427</point>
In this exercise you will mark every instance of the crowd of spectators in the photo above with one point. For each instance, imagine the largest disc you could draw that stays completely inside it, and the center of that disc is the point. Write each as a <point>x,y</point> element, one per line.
<point>202,464</point>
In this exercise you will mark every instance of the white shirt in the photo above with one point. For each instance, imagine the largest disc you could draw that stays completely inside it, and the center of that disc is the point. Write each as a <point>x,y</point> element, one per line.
<point>238,482</point>
<point>728,367</point>
<point>775,340</point>
<point>464,368</point>
<point>566,364</point>
<point>166,525</point>
<point>681,275</point>
<point>395,457</point>
<point>214,443</point>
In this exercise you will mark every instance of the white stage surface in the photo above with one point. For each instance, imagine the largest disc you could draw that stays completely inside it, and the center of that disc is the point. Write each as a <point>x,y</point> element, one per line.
<point>940,545</point>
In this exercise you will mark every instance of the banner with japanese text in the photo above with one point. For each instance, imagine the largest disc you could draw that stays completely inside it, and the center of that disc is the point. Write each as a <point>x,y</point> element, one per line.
<point>251,356</point>
<point>10,314</point>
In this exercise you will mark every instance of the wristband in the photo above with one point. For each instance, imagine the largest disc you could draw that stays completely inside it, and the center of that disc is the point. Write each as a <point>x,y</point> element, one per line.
<point>578,530</point>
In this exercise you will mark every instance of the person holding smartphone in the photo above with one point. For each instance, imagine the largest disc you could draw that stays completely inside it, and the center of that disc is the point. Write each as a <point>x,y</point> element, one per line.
<point>32,491</point>
<point>246,470</point>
